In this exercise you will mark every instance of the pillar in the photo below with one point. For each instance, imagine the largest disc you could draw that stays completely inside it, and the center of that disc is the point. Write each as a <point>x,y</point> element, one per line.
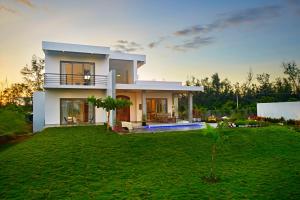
<point>175,105</point>
<point>134,72</point>
<point>144,105</point>
<point>111,91</point>
<point>190,107</point>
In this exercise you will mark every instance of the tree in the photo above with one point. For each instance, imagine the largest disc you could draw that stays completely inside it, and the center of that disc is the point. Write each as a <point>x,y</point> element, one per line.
<point>13,94</point>
<point>216,83</point>
<point>109,104</point>
<point>218,139</point>
<point>293,73</point>
<point>33,75</point>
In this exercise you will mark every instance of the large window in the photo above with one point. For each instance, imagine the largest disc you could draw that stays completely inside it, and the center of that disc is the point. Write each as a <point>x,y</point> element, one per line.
<point>76,111</point>
<point>156,105</point>
<point>77,73</point>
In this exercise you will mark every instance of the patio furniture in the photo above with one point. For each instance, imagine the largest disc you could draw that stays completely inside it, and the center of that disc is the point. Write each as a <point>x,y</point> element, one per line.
<point>127,125</point>
<point>165,118</point>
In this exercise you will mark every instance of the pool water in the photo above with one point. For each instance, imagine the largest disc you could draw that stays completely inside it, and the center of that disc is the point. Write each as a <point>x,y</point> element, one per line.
<point>169,127</point>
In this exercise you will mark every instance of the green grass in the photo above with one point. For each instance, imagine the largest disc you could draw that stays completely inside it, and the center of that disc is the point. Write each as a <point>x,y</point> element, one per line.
<point>13,122</point>
<point>88,163</point>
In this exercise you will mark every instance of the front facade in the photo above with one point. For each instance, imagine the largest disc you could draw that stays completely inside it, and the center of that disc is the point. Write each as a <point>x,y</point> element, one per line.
<point>74,72</point>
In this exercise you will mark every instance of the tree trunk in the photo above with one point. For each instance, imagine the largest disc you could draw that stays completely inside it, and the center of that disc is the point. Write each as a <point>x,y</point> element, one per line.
<point>212,169</point>
<point>107,123</point>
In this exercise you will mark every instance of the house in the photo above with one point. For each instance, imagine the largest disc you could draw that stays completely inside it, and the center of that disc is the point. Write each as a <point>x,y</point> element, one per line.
<point>74,72</point>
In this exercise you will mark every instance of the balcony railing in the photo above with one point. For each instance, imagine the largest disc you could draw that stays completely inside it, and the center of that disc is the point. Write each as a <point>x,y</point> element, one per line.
<point>74,79</point>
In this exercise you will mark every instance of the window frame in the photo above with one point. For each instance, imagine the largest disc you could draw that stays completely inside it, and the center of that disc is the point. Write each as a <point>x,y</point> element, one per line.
<point>72,74</point>
<point>74,99</point>
<point>156,103</point>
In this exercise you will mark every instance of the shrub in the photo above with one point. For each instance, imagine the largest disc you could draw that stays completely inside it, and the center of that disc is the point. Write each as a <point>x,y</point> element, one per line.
<point>293,122</point>
<point>12,122</point>
<point>239,115</point>
<point>274,120</point>
<point>252,123</point>
<point>240,122</point>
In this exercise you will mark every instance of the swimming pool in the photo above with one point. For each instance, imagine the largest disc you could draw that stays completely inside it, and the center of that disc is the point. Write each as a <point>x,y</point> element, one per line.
<point>169,127</point>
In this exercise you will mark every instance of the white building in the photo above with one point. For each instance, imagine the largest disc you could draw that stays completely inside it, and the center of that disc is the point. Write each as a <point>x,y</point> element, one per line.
<point>74,72</point>
<point>287,110</point>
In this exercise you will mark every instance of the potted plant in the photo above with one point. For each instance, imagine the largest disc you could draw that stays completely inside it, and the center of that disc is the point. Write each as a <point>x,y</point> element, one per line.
<point>144,120</point>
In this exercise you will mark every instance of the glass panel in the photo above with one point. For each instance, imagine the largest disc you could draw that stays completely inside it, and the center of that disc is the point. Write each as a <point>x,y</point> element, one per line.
<point>78,74</point>
<point>76,111</point>
<point>88,71</point>
<point>66,73</point>
<point>156,105</point>
<point>64,112</point>
<point>163,104</point>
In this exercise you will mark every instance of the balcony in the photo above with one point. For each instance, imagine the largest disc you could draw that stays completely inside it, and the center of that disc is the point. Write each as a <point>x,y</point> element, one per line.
<point>55,80</point>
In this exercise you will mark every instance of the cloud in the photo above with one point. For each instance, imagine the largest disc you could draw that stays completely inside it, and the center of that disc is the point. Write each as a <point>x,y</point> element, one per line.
<point>294,2</point>
<point>295,5</point>
<point>126,46</point>
<point>194,30</point>
<point>194,43</point>
<point>27,3</point>
<point>250,15</point>
<point>223,21</point>
<point>6,9</point>
<point>157,42</point>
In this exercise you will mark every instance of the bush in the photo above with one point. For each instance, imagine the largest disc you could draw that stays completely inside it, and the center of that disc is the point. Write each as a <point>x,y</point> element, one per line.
<point>274,120</point>
<point>252,123</point>
<point>12,122</point>
<point>236,116</point>
<point>240,122</point>
<point>293,122</point>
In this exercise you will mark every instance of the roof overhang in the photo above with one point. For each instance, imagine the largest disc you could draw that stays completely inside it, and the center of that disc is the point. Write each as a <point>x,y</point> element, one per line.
<point>141,59</point>
<point>179,88</point>
<point>74,48</point>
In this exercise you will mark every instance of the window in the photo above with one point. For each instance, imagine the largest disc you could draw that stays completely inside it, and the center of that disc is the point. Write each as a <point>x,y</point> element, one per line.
<point>156,105</point>
<point>77,73</point>
<point>76,111</point>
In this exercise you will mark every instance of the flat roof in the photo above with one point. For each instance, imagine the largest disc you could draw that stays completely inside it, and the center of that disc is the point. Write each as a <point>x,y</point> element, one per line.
<point>90,49</point>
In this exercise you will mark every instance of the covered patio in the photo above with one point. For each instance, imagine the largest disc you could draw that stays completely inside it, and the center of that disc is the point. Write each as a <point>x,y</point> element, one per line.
<point>152,106</point>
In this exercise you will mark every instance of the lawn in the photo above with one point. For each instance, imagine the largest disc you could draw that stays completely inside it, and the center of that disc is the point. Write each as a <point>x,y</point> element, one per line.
<point>89,163</point>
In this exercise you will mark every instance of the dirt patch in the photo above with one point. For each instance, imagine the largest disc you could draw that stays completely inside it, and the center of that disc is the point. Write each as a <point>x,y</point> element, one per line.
<point>6,139</point>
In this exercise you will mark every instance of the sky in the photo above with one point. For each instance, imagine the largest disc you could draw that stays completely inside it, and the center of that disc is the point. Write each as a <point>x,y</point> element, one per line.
<point>180,38</point>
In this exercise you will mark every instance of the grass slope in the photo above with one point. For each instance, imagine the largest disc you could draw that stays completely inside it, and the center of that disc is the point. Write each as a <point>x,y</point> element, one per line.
<point>88,163</point>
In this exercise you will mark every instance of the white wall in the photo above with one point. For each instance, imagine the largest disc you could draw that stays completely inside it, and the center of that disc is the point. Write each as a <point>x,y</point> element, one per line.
<point>52,103</point>
<point>52,61</point>
<point>38,122</point>
<point>288,110</point>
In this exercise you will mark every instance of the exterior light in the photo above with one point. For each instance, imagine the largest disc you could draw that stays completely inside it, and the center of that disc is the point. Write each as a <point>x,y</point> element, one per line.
<point>87,77</point>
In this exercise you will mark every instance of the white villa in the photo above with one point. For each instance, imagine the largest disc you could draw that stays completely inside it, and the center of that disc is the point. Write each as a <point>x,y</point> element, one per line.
<point>74,72</point>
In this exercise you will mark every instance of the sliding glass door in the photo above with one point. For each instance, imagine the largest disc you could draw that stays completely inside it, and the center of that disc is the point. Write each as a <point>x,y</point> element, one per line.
<point>76,111</point>
<point>156,106</point>
<point>77,73</point>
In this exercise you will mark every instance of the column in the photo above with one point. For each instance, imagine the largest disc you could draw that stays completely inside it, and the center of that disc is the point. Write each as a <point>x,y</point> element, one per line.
<point>175,105</point>
<point>190,107</point>
<point>111,91</point>
<point>134,71</point>
<point>144,105</point>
